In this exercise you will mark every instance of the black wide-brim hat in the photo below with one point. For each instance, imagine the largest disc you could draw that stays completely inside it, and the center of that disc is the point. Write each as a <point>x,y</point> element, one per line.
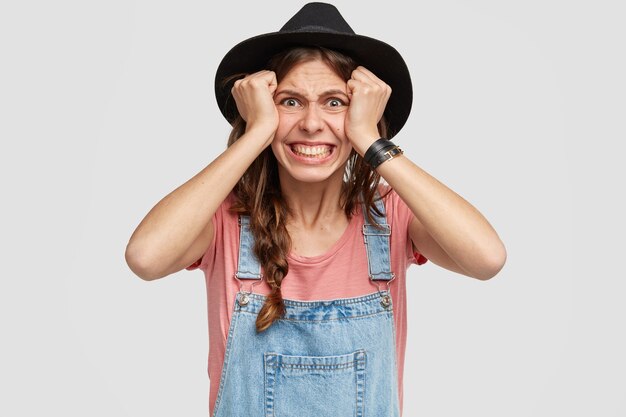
<point>320,24</point>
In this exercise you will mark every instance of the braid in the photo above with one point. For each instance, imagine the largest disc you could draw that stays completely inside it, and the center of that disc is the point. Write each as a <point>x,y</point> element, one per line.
<point>272,245</point>
<point>258,194</point>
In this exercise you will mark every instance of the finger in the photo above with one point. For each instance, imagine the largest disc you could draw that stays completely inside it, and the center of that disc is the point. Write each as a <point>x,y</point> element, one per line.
<point>365,86</point>
<point>258,73</point>
<point>273,82</point>
<point>352,85</point>
<point>250,77</point>
<point>267,76</point>
<point>370,74</point>
<point>363,74</point>
<point>257,80</point>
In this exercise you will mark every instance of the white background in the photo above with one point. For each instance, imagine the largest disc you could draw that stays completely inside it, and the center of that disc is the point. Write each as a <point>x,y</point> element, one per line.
<point>107,106</point>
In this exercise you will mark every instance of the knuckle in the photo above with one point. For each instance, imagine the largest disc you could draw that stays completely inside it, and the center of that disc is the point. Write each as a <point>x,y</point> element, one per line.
<point>254,81</point>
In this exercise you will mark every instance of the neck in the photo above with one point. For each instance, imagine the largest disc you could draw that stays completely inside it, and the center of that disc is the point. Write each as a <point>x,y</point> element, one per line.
<point>312,203</point>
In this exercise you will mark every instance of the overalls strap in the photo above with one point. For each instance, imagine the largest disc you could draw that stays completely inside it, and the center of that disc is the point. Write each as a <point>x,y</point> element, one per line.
<point>377,243</point>
<point>248,266</point>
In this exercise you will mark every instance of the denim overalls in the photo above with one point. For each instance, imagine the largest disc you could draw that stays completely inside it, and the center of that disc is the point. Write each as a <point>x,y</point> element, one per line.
<point>327,358</point>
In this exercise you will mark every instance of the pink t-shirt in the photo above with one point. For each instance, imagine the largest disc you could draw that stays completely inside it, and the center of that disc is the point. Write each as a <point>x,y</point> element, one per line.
<point>339,273</point>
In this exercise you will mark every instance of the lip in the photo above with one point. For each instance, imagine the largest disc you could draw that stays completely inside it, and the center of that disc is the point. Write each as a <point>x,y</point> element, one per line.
<point>311,160</point>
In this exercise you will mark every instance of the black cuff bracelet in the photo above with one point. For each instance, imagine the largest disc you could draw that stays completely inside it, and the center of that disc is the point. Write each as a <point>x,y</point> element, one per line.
<point>385,155</point>
<point>377,147</point>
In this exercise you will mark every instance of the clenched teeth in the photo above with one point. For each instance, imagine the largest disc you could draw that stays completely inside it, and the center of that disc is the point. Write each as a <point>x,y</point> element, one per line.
<point>319,151</point>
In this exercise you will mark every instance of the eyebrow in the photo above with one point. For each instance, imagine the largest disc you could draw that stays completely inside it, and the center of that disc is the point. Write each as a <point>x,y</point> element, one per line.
<point>331,92</point>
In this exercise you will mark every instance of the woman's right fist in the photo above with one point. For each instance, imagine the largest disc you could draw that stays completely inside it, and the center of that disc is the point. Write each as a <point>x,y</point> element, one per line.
<point>254,96</point>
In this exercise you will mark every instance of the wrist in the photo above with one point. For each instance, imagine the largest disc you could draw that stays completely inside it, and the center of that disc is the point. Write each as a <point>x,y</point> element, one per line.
<point>380,151</point>
<point>385,155</point>
<point>261,133</point>
<point>362,142</point>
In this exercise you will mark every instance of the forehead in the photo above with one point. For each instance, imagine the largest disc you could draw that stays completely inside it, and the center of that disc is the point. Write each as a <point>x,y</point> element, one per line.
<point>312,75</point>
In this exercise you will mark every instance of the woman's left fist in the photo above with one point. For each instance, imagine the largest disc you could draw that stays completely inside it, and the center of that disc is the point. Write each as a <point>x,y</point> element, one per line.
<point>368,98</point>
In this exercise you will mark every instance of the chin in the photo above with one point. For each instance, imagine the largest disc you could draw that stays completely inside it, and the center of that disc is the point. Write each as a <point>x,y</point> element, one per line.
<point>312,175</point>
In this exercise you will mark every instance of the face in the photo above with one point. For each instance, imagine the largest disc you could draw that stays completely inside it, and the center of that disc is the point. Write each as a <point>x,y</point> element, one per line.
<point>310,142</point>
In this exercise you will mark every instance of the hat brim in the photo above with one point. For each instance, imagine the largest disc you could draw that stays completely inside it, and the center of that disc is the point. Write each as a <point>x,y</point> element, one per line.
<point>382,59</point>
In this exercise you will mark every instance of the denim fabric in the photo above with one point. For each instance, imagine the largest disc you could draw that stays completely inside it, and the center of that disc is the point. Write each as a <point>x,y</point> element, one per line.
<point>248,264</point>
<point>322,358</point>
<point>377,245</point>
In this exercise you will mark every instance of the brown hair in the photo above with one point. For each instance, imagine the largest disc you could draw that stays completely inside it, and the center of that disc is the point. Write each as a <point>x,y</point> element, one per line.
<point>258,192</point>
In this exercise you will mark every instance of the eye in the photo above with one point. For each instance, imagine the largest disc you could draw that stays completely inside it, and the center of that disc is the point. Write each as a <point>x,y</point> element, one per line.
<point>335,102</point>
<point>289,102</point>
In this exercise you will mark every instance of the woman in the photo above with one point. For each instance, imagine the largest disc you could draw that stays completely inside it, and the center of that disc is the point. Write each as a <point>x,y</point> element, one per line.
<point>304,252</point>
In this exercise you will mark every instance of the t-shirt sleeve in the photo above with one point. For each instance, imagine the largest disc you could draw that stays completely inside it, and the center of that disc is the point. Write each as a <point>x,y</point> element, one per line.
<point>195,265</point>
<point>209,255</point>
<point>419,258</point>
<point>402,217</point>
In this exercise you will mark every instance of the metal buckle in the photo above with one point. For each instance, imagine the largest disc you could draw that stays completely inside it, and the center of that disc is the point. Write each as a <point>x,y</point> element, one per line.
<point>385,231</point>
<point>243,296</point>
<point>385,297</point>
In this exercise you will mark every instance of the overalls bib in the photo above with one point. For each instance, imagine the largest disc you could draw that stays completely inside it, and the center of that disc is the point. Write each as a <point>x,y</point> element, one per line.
<point>327,358</point>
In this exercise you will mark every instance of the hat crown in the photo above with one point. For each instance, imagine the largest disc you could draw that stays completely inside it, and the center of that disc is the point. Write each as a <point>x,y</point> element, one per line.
<point>317,17</point>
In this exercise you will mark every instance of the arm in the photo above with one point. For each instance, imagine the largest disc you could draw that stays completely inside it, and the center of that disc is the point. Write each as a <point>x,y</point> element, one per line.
<point>449,230</point>
<point>179,228</point>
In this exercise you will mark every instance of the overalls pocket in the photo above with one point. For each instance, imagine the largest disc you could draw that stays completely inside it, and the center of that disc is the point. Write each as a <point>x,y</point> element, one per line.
<point>314,386</point>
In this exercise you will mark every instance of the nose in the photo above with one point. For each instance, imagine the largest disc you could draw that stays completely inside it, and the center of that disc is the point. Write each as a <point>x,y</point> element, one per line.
<point>311,119</point>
